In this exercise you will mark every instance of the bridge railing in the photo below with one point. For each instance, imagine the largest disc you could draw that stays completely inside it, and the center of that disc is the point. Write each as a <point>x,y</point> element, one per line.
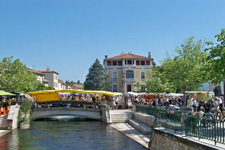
<point>203,126</point>
<point>81,104</point>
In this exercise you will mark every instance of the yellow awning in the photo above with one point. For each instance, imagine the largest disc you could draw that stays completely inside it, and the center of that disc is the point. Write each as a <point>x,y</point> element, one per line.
<point>73,91</point>
<point>41,92</point>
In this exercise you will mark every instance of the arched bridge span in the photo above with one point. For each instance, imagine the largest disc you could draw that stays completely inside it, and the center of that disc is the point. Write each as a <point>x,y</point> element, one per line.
<point>38,113</point>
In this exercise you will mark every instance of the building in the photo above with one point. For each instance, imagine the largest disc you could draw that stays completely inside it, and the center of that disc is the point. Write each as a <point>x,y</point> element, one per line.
<point>40,77</point>
<point>125,71</point>
<point>75,87</point>
<point>52,77</point>
<point>61,85</point>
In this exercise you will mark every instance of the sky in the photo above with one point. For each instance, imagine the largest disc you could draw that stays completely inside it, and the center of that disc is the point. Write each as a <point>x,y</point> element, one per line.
<point>68,35</point>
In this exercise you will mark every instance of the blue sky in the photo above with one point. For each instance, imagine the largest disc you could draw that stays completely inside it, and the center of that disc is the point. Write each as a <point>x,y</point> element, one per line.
<point>68,35</point>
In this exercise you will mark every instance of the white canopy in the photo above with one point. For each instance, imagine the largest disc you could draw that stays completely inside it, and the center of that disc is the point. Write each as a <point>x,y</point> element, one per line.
<point>174,94</point>
<point>64,93</point>
<point>135,94</point>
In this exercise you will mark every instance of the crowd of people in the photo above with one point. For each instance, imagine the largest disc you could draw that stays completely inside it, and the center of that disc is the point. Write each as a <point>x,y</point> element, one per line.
<point>214,106</point>
<point>128,101</point>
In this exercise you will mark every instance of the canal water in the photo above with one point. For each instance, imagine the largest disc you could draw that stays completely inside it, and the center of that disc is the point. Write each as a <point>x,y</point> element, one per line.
<point>68,135</point>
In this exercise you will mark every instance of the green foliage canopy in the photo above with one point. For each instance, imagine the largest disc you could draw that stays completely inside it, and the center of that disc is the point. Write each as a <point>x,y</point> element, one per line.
<point>186,69</point>
<point>14,76</point>
<point>215,61</point>
<point>97,79</point>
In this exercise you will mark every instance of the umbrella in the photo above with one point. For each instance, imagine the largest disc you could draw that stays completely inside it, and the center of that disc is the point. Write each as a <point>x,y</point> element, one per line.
<point>5,93</point>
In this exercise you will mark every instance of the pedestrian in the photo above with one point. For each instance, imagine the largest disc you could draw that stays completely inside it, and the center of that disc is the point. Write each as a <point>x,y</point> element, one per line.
<point>94,101</point>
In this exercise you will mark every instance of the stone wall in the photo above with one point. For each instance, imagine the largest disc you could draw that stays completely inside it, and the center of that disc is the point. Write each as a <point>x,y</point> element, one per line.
<point>165,140</point>
<point>13,117</point>
<point>105,114</point>
<point>144,118</point>
<point>3,122</point>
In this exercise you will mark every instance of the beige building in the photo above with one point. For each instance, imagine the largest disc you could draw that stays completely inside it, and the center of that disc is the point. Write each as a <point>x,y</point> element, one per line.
<point>61,85</point>
<point>75,87</point>
<point>52,77</point>
<point>127,70</point>
<point>40,77</point>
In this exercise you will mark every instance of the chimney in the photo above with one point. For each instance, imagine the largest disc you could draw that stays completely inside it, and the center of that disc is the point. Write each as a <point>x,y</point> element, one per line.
<point>106,56</point>
<point>149,54</point>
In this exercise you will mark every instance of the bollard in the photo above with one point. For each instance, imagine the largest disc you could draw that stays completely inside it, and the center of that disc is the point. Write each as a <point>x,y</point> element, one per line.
<point>4,112</point>
<point>1,111</point>
<point>7,110</point>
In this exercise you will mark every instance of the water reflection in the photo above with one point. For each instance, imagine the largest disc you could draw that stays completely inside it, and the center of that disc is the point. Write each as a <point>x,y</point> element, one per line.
<point>66,135</point>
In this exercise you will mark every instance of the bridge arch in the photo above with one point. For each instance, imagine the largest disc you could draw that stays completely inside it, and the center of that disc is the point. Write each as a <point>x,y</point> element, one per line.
<point>38,113</point>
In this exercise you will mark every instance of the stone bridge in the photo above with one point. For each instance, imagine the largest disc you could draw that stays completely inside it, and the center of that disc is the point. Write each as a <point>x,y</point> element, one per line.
<point>38,113</point>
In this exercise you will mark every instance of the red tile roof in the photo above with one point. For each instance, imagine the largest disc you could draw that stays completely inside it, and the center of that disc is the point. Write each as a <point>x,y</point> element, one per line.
<point>48,71</point>
<point>36,71</point>
<point>121,56</point>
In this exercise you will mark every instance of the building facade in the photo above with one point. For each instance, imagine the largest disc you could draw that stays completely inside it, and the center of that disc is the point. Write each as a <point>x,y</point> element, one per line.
<point>126,71</point>
<point>52,77</point>
<point>40,77</point>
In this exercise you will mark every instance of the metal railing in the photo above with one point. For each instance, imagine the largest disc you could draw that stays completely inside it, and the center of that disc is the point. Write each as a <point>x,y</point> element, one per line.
<point>203,126</point>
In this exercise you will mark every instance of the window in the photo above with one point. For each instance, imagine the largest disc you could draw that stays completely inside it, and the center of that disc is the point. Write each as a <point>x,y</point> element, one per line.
<point>142,75</point>
<point>129,62</point>
<point>148,62</point>
<point>108,63</point>
<point>114,75</point>
<point>138,62</point>
<point>114,88</point>
<point>142,62</point>
<point>142,88</point>
<point>119,63</point>
<point>129,88</point>
<point>114,63</point>
<point>130,74</point>
<point>55,76</point>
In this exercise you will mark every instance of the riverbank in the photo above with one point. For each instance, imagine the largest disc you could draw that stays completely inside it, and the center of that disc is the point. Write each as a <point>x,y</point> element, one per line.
<point>132,133</point>
<point>3,132</point>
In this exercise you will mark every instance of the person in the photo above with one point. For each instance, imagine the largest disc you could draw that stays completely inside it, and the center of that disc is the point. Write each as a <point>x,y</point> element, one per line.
<point>195,105</point>
<point>201,106</point>
<point>208,106</point>
<point>94,101</point>
<point>220,104</point>
<point>190,103</point>
<point>217,110</point>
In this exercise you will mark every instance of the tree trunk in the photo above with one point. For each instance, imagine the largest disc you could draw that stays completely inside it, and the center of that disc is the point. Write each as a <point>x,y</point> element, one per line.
<point>184,98</point>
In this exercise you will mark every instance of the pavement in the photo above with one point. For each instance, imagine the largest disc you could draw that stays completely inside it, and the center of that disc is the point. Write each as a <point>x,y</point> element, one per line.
<point>132,133</point>
<point>3,132</point>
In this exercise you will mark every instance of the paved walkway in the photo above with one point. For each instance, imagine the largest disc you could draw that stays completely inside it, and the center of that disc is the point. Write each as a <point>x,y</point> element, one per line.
<point>132,133</point>
<point>3,132</point>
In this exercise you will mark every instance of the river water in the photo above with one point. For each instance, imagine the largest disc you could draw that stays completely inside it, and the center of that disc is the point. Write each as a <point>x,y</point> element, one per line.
<point>68,135</point>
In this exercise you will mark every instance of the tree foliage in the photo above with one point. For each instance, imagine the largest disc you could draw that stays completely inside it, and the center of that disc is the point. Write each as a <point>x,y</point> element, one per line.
<point>38,86</point>
<point>186,69</point>
<point>72,82</point>
<point>156,83</point>
<point>215,61</point>
<point>97,79</point>
<point>14,76</point>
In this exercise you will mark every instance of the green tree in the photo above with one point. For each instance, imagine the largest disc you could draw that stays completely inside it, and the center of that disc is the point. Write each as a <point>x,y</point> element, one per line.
<point>38,86</point>
<point>186,69</point>
<point>138,86</point>
<point>157,84</point>
<point>14,76</point>
<point>97,79</point>
<point>78,82</point>
<point>215,61</point>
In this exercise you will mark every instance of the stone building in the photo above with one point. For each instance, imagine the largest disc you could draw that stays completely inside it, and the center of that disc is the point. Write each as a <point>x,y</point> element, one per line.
<point>40,76</point>
<point>52,77</point>
<point>127,70</point>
